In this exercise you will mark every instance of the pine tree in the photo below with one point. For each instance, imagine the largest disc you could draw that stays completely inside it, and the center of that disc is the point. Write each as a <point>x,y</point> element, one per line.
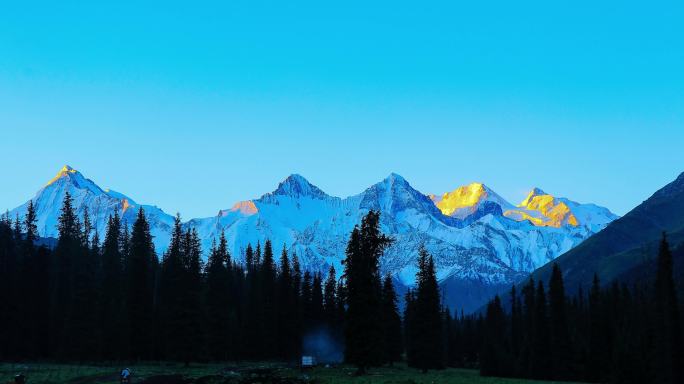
<point>541,349</point>
<point>331,306</point>
<point>192,337</point>
<point>254,321</point>
<point>287,310</point>
<point>62,282</point>
<point>317,310</point>
<point>139,280</point>
<point>35,290</point>
<point>392,322</point>
<point>267,281</point>
<point>81,329</point>
<point>599,355</point>
<point>364,333</point>
<point>495,356</point>
<point>218,303</point>
<point>9,266</point>
<point>426,330</point>
<point>30,226</point>
<point>525,359</point>
<point>667,359</point>
<point>171,296</point>
<point>516,330</point>
<point>111,288</point>
<point>561,353</point>
<point>410,327</point>
<point>307,302</point>
<point>297,310</point>
<point>21,284</point>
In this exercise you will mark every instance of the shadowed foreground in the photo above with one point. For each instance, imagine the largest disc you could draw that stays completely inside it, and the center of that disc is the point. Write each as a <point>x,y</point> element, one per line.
<point>239,374</point>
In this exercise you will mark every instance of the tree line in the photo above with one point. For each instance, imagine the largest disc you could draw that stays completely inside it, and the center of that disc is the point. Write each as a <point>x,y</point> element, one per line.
<point>113,299</point>
<point>617,333</point>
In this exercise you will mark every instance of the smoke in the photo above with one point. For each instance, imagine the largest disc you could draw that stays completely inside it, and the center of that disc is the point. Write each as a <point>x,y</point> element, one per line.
<point>323,345</point>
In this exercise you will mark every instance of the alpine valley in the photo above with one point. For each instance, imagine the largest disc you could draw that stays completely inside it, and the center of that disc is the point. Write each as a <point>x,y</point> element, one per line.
<point>481,242</point>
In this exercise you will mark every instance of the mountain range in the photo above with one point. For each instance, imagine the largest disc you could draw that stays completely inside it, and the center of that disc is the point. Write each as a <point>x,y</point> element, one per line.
<point>481,242</point>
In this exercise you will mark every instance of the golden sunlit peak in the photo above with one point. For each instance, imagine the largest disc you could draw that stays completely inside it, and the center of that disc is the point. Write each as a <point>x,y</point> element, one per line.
<point>245,207</point>
<point>462,197</point>
<point>67,169</point>
<point>543,209</point>
<point>62,172</point>
<point>533,193</point>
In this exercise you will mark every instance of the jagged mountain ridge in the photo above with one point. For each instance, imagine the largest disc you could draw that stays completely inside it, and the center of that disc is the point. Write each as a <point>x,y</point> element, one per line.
<point>480,245</point>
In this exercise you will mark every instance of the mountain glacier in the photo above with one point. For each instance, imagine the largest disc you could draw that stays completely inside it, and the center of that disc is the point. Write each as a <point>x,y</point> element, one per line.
<point>481,242</point>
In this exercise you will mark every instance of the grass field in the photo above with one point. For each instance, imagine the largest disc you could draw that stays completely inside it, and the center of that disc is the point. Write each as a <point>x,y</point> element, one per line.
<point>239,374</point>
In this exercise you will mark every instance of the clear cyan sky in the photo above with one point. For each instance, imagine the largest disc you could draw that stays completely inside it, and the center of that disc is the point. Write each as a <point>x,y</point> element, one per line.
<point>193,106</point>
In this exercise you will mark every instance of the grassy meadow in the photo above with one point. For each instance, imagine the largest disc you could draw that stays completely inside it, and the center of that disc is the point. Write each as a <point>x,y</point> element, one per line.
<point>250,373</point>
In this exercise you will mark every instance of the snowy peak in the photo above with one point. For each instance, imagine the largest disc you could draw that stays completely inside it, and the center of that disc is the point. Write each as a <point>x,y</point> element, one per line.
<point>88,196</point>
<point>465,200</point>
<point>543,210</point>
<point>539,208</point>
<point>70,176</point>
<point>246,208</point>
<point>297,186</point>
<point>531,195</point>
<point>65,172</point>
<point>394,194</point>
<point>393,184</point>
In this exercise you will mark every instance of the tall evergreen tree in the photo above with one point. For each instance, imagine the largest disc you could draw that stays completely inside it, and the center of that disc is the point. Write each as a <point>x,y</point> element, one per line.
<point>307,302</point>
<point>540,338</point>
<point>267,281</point>
<point>525,359</point>
<point>410,325</point>
<point>81,329</point>
<point>62,278</point>
<point>392,321</point>
<point>171,296</point>
<point>516,330</point>
<point>218,301</point>
<point>331,306</point>
<point>140,281</point>
<point>561,353</point>
<point>287,310</point>
<point>668,364</point>
<point>298,302</point>
<point>364,333</point>
<point>495,359</point>
<point>253,322</point>
<point>598,356</point>
<point>31,234</point>
<point>35,290</point>
<point>9,296</point>
<point>317,309</point>
<point>192,337</point>
<point>111,288</point>
<point>426,330</point>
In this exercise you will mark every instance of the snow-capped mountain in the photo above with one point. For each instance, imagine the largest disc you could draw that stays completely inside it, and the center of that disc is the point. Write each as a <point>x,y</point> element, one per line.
<point>538,208</point>
<point>465,200</point>
<point>480,241</point>
<point>100,203</point>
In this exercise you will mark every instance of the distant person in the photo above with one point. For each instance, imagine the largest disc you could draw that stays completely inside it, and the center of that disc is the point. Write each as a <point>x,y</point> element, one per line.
<point>125,376</point>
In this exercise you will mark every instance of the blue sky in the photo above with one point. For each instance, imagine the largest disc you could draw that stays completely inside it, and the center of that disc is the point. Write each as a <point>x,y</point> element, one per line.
<point>193,106</point>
